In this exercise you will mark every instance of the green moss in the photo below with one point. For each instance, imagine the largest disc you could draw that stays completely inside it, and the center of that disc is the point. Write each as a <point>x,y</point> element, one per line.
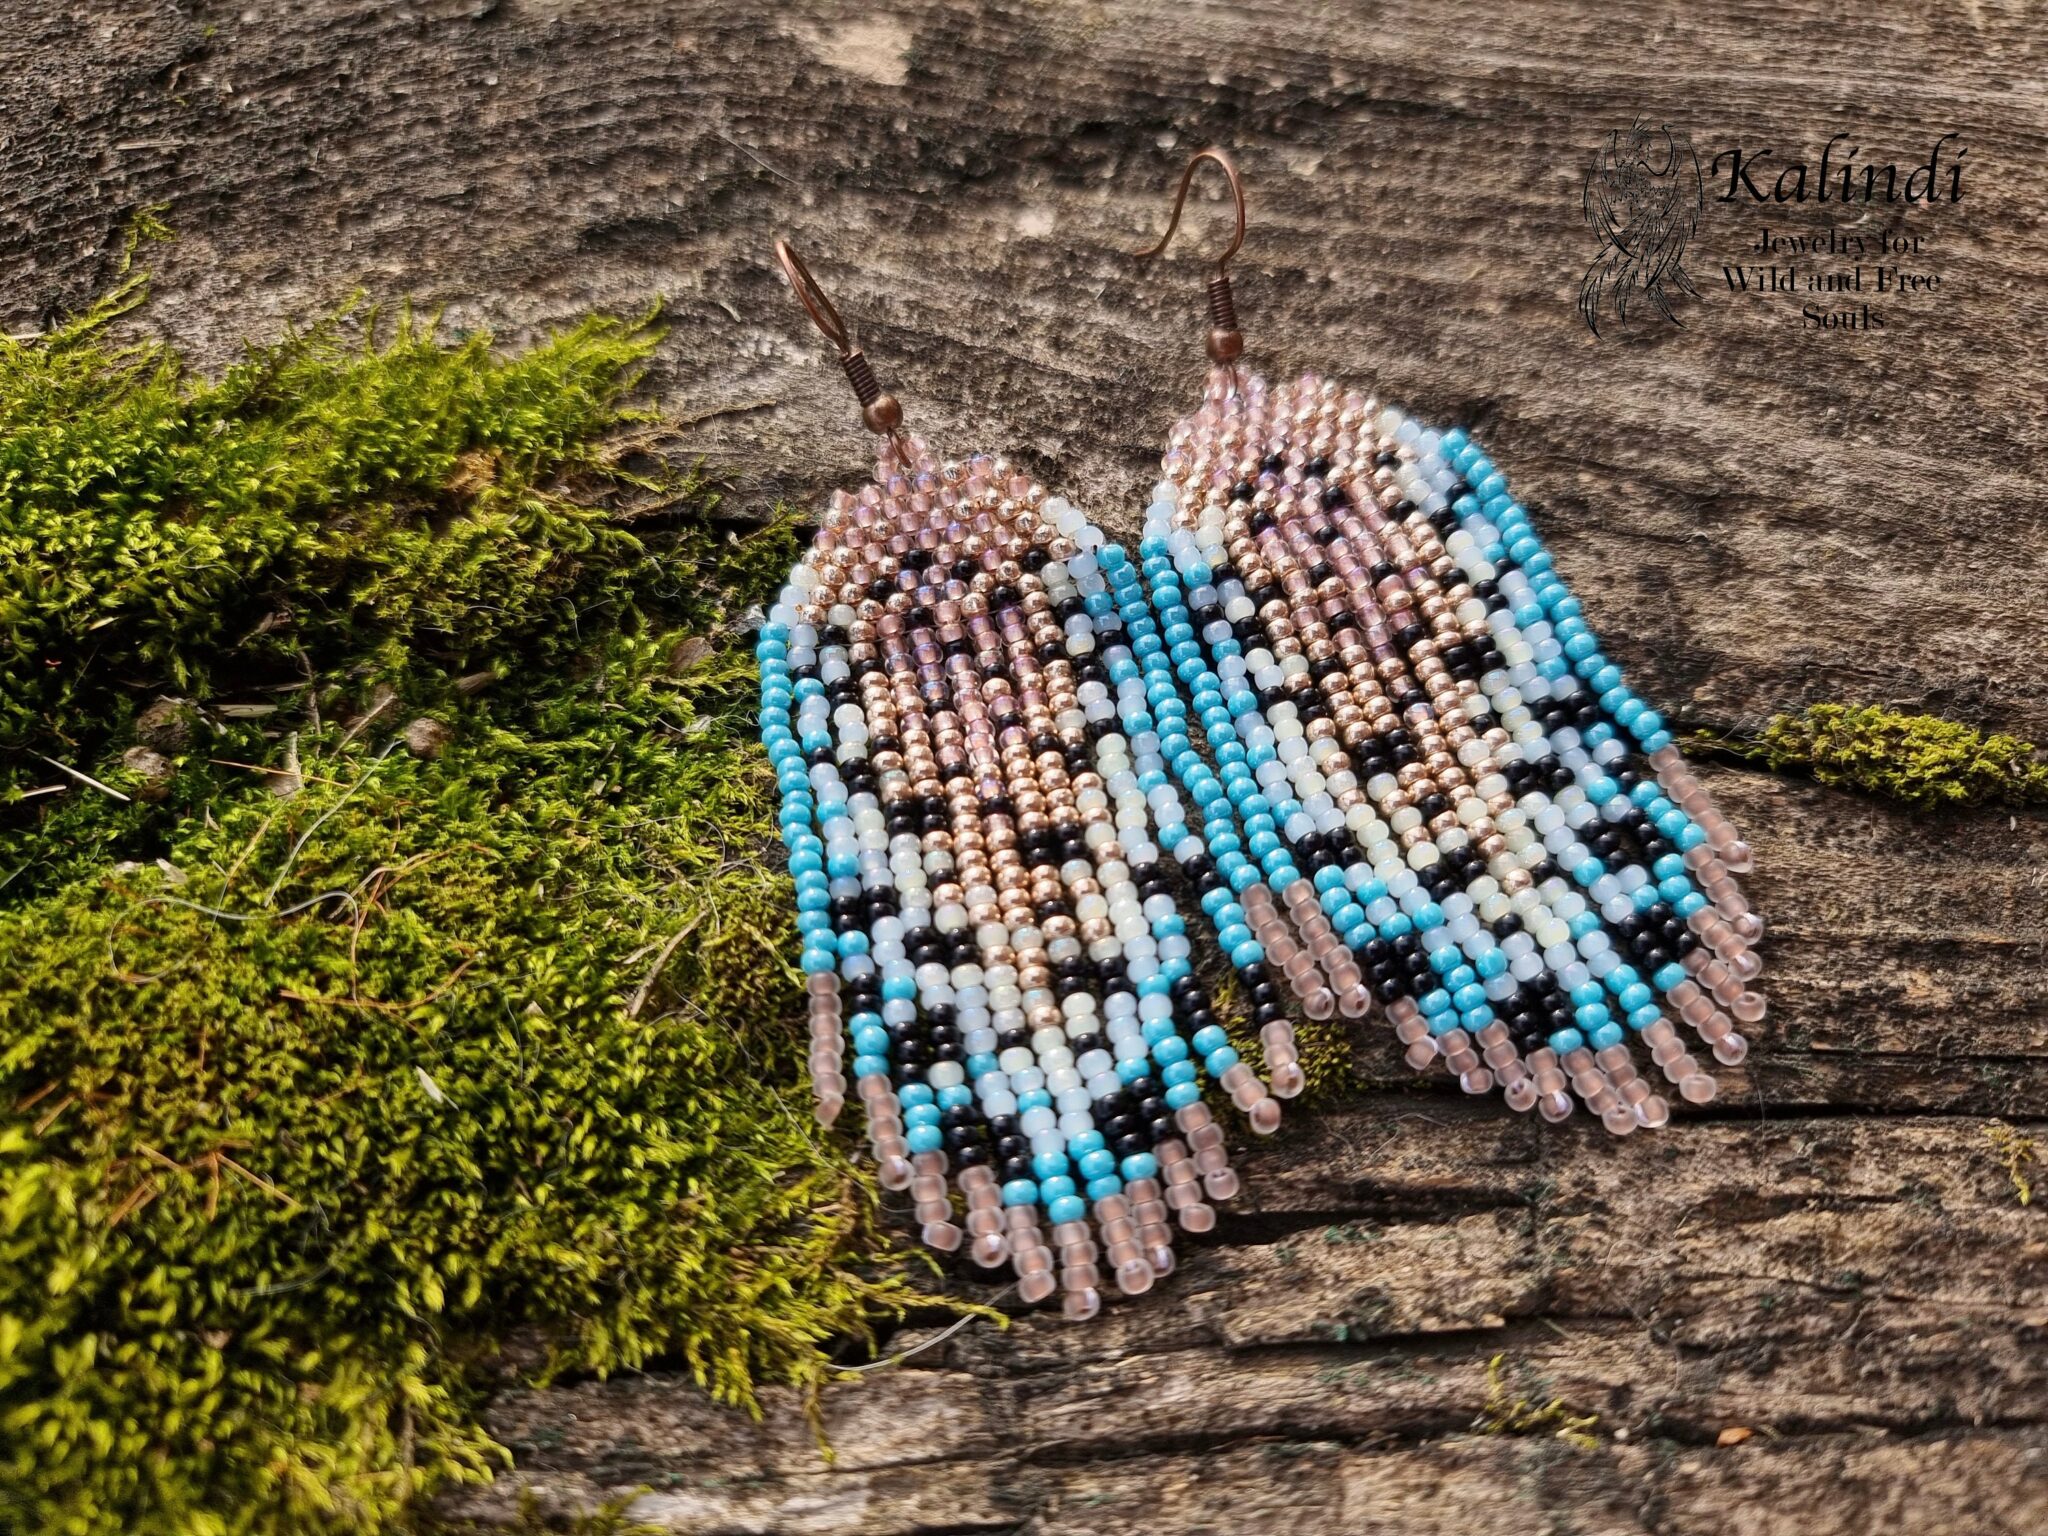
<point>310,1102</point>
<point>1917,759</point>
<point>2019,1155</point>
<point>1506,1412</point>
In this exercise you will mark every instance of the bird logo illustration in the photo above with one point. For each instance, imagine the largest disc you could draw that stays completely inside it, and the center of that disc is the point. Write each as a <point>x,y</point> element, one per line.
<point>1643,198</point>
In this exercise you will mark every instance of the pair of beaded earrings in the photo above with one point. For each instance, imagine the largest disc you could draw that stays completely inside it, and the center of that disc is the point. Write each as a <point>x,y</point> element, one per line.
<point>1341,688</point>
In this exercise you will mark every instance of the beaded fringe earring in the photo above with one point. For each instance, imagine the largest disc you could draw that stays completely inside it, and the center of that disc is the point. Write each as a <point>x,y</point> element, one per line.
<point>983,909</point>
<point>1431,788</point>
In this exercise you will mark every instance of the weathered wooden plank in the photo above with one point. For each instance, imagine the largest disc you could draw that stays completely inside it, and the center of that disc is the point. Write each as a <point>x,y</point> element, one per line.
<point>1756,515</point>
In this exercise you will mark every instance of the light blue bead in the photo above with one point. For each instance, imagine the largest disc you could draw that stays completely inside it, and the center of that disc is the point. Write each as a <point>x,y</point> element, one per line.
<point>870,1066</point>
<point>1066,1208</point>
<point>1566,1041</point>
<point>1020,1192</point>
<point>1170,1050</point>
<point>1247,954</point>
<point>1139,1165</point>
<point>1096,1164</point>
<point>1606,1035</point>
<point>1101,1189</point>
<point>1221,1060</point>
<point>1176,1073</point>
<point>921,1114</point>
<point>817,961</point>
<point>1209,1038</point>
<point>924,1138</point>
<point>1181,1095</point>
<point>1668,977</point>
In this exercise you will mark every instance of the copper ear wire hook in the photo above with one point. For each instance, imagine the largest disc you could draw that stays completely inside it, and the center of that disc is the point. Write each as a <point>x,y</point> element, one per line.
<point>1226,341</point>
<point>881,412</point>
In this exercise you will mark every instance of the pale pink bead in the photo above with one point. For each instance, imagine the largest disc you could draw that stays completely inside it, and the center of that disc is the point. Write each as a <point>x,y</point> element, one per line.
<point>1747,965</point>
<point>1354,1002</point>
<point>1135,1278</point>
<point>1477,1080</point>
<point>1319,1003</point>
<point>1749,1008</point>
<point>1288,1081</point>
<point>1730,1050</point>
<point>1081,1305</point>
<point>893,1173</point>
<point>1421,1053</point>
<point>1698,1088</point>
<point>1653,1113</point>
<point>1619,1120</point>
<point>828,1108</point>
<point>1265,1115</point>
<point>1220,1183</point>
<point>1036,1287</point>
<point>1554,1107</point>
<point>1739,858</point>
<point>1750,926</point>
<point>1521,1094</point>
<point>942,1235</point>
<point>990,1250</point>
<point>1197,1217</point>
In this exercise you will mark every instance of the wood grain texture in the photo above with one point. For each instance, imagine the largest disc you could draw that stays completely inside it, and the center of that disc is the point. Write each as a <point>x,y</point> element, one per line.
<point>1757,516</point>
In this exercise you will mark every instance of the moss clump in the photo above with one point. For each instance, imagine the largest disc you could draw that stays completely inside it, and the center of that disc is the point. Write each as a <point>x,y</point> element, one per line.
<point>2019,1155</point>
<point>345,1047</point>
<point>1505,1413</point>
<point>1917,759</point>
